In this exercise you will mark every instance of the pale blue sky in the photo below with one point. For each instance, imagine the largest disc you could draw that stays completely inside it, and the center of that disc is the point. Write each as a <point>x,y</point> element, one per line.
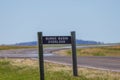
<point>97,20</point>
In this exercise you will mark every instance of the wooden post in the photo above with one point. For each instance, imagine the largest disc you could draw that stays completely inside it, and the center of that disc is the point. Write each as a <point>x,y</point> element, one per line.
<point>41,58</point>
<point>74,58</point>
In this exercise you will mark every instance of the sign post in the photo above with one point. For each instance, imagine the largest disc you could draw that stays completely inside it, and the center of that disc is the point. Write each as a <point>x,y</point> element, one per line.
<point>74,58</point>
<point>41,58</point>
<point>56,40</point>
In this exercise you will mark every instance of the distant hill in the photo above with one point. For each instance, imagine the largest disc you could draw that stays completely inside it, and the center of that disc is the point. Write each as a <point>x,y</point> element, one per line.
<point>34,43</point>
<point>87,42</point>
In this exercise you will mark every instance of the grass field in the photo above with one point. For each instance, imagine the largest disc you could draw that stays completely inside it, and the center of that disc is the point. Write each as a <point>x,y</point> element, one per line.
<point>15,47</point>
<point>98,51</point>
<point>4,47</point>
<point>27,69</point>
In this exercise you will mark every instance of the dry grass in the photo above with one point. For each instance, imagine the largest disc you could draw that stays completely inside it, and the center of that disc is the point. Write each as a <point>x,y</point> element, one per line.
<point>15,47</point>
<point>98,51</point>
<point>22,62</point>
<point>92,73</point>
<point>63,52</point>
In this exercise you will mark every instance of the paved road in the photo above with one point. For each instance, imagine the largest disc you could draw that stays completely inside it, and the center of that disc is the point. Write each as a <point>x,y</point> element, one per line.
<point>104,63</point>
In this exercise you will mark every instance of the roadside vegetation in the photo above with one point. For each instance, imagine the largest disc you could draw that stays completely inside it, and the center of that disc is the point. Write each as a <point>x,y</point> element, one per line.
<point>28,69</point>
<point>97,51</point>
<point>16,47</point>
<point>5,47</point>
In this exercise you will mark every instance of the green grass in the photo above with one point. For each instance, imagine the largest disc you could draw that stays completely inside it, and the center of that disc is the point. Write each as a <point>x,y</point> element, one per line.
<point>97,51</point>
<point>12,72</point>
<point>27,69</point>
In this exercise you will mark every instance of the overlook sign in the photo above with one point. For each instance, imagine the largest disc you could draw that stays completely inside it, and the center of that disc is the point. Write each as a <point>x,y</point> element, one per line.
<point>56,39</point>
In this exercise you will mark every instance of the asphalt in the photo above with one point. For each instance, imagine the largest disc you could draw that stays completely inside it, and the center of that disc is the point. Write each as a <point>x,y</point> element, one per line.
<point>103,63</point>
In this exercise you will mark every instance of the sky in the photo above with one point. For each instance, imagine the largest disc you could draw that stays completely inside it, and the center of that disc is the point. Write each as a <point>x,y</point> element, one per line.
<point>97,20</point>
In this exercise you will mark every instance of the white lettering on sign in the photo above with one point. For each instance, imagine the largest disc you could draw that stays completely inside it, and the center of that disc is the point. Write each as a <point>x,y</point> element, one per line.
<point>50,38</point>
<point>56,40</point>
<point>62,38</point>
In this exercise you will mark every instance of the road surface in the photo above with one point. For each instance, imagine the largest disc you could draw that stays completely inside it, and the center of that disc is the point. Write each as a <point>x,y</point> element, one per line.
<point>104,63</point>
